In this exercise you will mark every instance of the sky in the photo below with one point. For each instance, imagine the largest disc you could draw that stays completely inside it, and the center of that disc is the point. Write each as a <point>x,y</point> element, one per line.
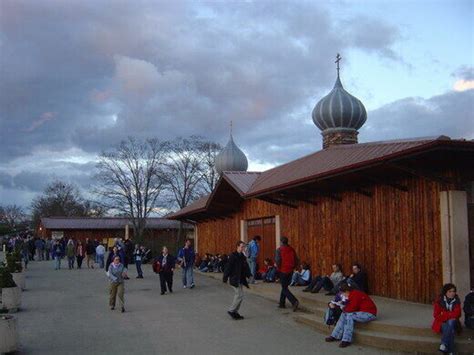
<point>77,77</point>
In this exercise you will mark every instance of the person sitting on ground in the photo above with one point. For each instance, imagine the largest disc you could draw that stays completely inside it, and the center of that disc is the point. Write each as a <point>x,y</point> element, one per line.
<point>335,307</point>
<point>358,278</point>
<point>203,267</point>
<point>469,310</point>
<point>222,262</point>
<point>303,277</point>
<point>359,308</point>
<point>446,313</point>
<point>328,282</point>
<point>268,271</point>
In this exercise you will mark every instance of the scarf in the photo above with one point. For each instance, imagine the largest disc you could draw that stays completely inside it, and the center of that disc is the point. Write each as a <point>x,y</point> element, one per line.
<point>449,303</point>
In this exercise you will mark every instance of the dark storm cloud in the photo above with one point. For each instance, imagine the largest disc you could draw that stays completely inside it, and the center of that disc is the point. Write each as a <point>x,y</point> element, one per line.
<point>88,74</point>
<point>85,74</point>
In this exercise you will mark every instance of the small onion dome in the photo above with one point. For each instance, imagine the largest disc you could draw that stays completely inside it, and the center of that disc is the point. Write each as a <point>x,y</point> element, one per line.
<point>339,109</point>
<point>231,158</point>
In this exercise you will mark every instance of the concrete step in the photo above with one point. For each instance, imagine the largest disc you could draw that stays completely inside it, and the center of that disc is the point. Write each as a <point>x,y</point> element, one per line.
<point>384,340</point>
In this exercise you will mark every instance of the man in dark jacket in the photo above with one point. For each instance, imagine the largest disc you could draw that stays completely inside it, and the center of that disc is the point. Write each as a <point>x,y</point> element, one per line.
<point>358,279</point>
<point>287,262</point>
<point>167,263</point>
<point>236,271</point>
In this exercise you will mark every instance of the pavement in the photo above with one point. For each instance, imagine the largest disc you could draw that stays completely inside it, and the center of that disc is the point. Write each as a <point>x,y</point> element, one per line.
<point>66,312</point>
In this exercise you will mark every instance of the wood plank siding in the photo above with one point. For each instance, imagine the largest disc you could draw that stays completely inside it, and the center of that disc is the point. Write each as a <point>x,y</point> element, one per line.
<point>394,234</point>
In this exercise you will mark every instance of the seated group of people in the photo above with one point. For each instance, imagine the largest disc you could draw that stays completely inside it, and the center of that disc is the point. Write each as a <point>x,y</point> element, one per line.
<point>212,263</point>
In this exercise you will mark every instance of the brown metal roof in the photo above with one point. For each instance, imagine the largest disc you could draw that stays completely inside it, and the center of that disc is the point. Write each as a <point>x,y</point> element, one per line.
<point>105,223</point>
<point>323,164</point>
<point>196,206</point>
<point>334,159</point>
<point>242,181</point>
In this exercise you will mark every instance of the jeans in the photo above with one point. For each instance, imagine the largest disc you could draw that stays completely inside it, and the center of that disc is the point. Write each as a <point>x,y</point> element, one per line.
<point>253,267</point>
<point>448,328</point>
<point>297,280</point>
<point>285,279</point>
<point>57,262</point>
<point>345,325</point>
<point>47,253</point>
<point>238,298</point>
<point>100,259</point>
<point>188,279</point>
<point>321,282</point>
<point>70,262</point>
<point>138,264</point>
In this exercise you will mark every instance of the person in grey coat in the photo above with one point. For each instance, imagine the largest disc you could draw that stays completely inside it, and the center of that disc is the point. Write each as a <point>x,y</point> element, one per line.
<point>116,274</point>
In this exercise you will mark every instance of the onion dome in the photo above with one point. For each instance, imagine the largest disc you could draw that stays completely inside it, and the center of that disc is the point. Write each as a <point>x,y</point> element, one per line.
<point>231,158</point>
<point>339,110</point>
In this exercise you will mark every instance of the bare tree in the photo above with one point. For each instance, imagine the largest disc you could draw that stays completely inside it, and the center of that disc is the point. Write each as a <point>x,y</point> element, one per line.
<point>130,179</point>
<point>12,215</point>
<point>209,172</point>
<point>59,199</point>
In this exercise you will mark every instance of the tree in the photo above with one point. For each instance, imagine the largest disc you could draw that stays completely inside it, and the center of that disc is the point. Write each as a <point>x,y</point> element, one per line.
<point>130,179</point>
<point>59,199</point>
<point>209,173</point>
<point>12,215</point>
<point>189,172</point>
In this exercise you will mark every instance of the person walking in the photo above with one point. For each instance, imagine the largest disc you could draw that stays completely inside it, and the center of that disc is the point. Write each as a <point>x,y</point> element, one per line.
<point>167,265</point>
<point>253,251</point>
<point>70,254</point>
<point>116,274</point>
<point>90,253</point>
<point>186,258</point>
<point>57,254</point>
<point>100,253</point>
<point>286,261</point>
<point>138,257</point>
<point>236,271</point>
<point>128,250</point>
<point>48,245</point>
<point>80,253</point>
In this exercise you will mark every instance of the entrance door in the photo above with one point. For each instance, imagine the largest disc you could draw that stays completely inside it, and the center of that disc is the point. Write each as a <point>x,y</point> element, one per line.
<point>265,228</point>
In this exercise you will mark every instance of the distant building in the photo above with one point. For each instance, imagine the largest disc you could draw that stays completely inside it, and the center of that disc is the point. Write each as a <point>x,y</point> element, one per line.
<point>402,209</point>
<point>159,231</point>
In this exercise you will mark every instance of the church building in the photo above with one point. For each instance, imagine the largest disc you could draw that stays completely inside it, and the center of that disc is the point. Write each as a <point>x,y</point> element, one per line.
<point>403,209</point>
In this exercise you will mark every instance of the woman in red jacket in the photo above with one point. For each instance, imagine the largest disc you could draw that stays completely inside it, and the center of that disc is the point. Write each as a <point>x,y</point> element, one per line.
<point>359,308</point>
<point>446,313</point>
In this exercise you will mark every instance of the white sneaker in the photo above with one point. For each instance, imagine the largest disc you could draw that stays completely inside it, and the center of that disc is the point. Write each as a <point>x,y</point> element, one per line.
<point>184,286</point>
<point>443,348</point>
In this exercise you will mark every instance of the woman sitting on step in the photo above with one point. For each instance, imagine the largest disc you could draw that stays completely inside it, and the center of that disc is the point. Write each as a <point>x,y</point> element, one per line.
<point>328,282</point>
<point>360,308</point>
<point>446,313</point>
<point>303,277</point>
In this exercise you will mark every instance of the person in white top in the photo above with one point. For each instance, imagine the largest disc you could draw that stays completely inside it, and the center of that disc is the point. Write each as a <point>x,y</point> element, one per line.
<point>100,252</point>
<point>303,277</point>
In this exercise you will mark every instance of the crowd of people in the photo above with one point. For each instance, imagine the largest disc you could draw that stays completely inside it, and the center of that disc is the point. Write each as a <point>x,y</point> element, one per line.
<point>351,303</point>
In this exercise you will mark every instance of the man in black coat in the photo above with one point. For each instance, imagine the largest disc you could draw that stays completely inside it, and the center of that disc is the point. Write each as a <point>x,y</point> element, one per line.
<point>236,271</point>
<point>167,265</point>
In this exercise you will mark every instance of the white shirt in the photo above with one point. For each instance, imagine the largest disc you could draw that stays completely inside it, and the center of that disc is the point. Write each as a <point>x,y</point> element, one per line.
<point>100,250</point>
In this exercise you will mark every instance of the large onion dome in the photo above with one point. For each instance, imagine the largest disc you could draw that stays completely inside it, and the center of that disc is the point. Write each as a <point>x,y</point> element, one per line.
<point>339,110</point>
<point>231,158</point>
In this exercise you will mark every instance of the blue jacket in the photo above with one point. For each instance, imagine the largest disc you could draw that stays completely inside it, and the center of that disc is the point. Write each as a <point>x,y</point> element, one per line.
<point>188,255</point>
<point>253,249</point>
<point>57,250</point>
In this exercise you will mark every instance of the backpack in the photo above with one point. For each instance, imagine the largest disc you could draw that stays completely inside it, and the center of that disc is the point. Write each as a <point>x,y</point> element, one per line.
<point>332,315</point>
<point>156,266</point>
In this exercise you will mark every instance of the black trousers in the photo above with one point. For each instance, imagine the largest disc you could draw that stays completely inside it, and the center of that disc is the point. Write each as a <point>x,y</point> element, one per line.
<point>166,279</point>
<point>79,261</point>
<point>285,280</point>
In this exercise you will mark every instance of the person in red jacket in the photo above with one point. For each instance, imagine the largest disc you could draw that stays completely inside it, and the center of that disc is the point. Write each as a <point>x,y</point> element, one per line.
<point>286,261</point>
<point>359,308</point>
<point>446,313</point>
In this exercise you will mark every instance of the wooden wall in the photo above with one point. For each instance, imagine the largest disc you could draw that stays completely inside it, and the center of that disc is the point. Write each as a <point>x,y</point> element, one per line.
<point>394,235</point>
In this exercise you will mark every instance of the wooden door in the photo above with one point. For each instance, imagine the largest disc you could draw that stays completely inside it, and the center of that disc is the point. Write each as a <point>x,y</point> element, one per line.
<point>265,228</point>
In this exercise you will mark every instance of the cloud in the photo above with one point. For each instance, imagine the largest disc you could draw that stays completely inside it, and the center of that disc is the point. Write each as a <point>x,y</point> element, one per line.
<point>45,117</point>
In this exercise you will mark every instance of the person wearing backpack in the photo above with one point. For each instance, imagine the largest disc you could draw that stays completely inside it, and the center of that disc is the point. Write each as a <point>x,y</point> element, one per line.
<point>286,261</point>
<point>469,310</point>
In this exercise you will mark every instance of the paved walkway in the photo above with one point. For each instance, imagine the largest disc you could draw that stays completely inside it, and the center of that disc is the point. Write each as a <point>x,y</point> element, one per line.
<point>66,312</point>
